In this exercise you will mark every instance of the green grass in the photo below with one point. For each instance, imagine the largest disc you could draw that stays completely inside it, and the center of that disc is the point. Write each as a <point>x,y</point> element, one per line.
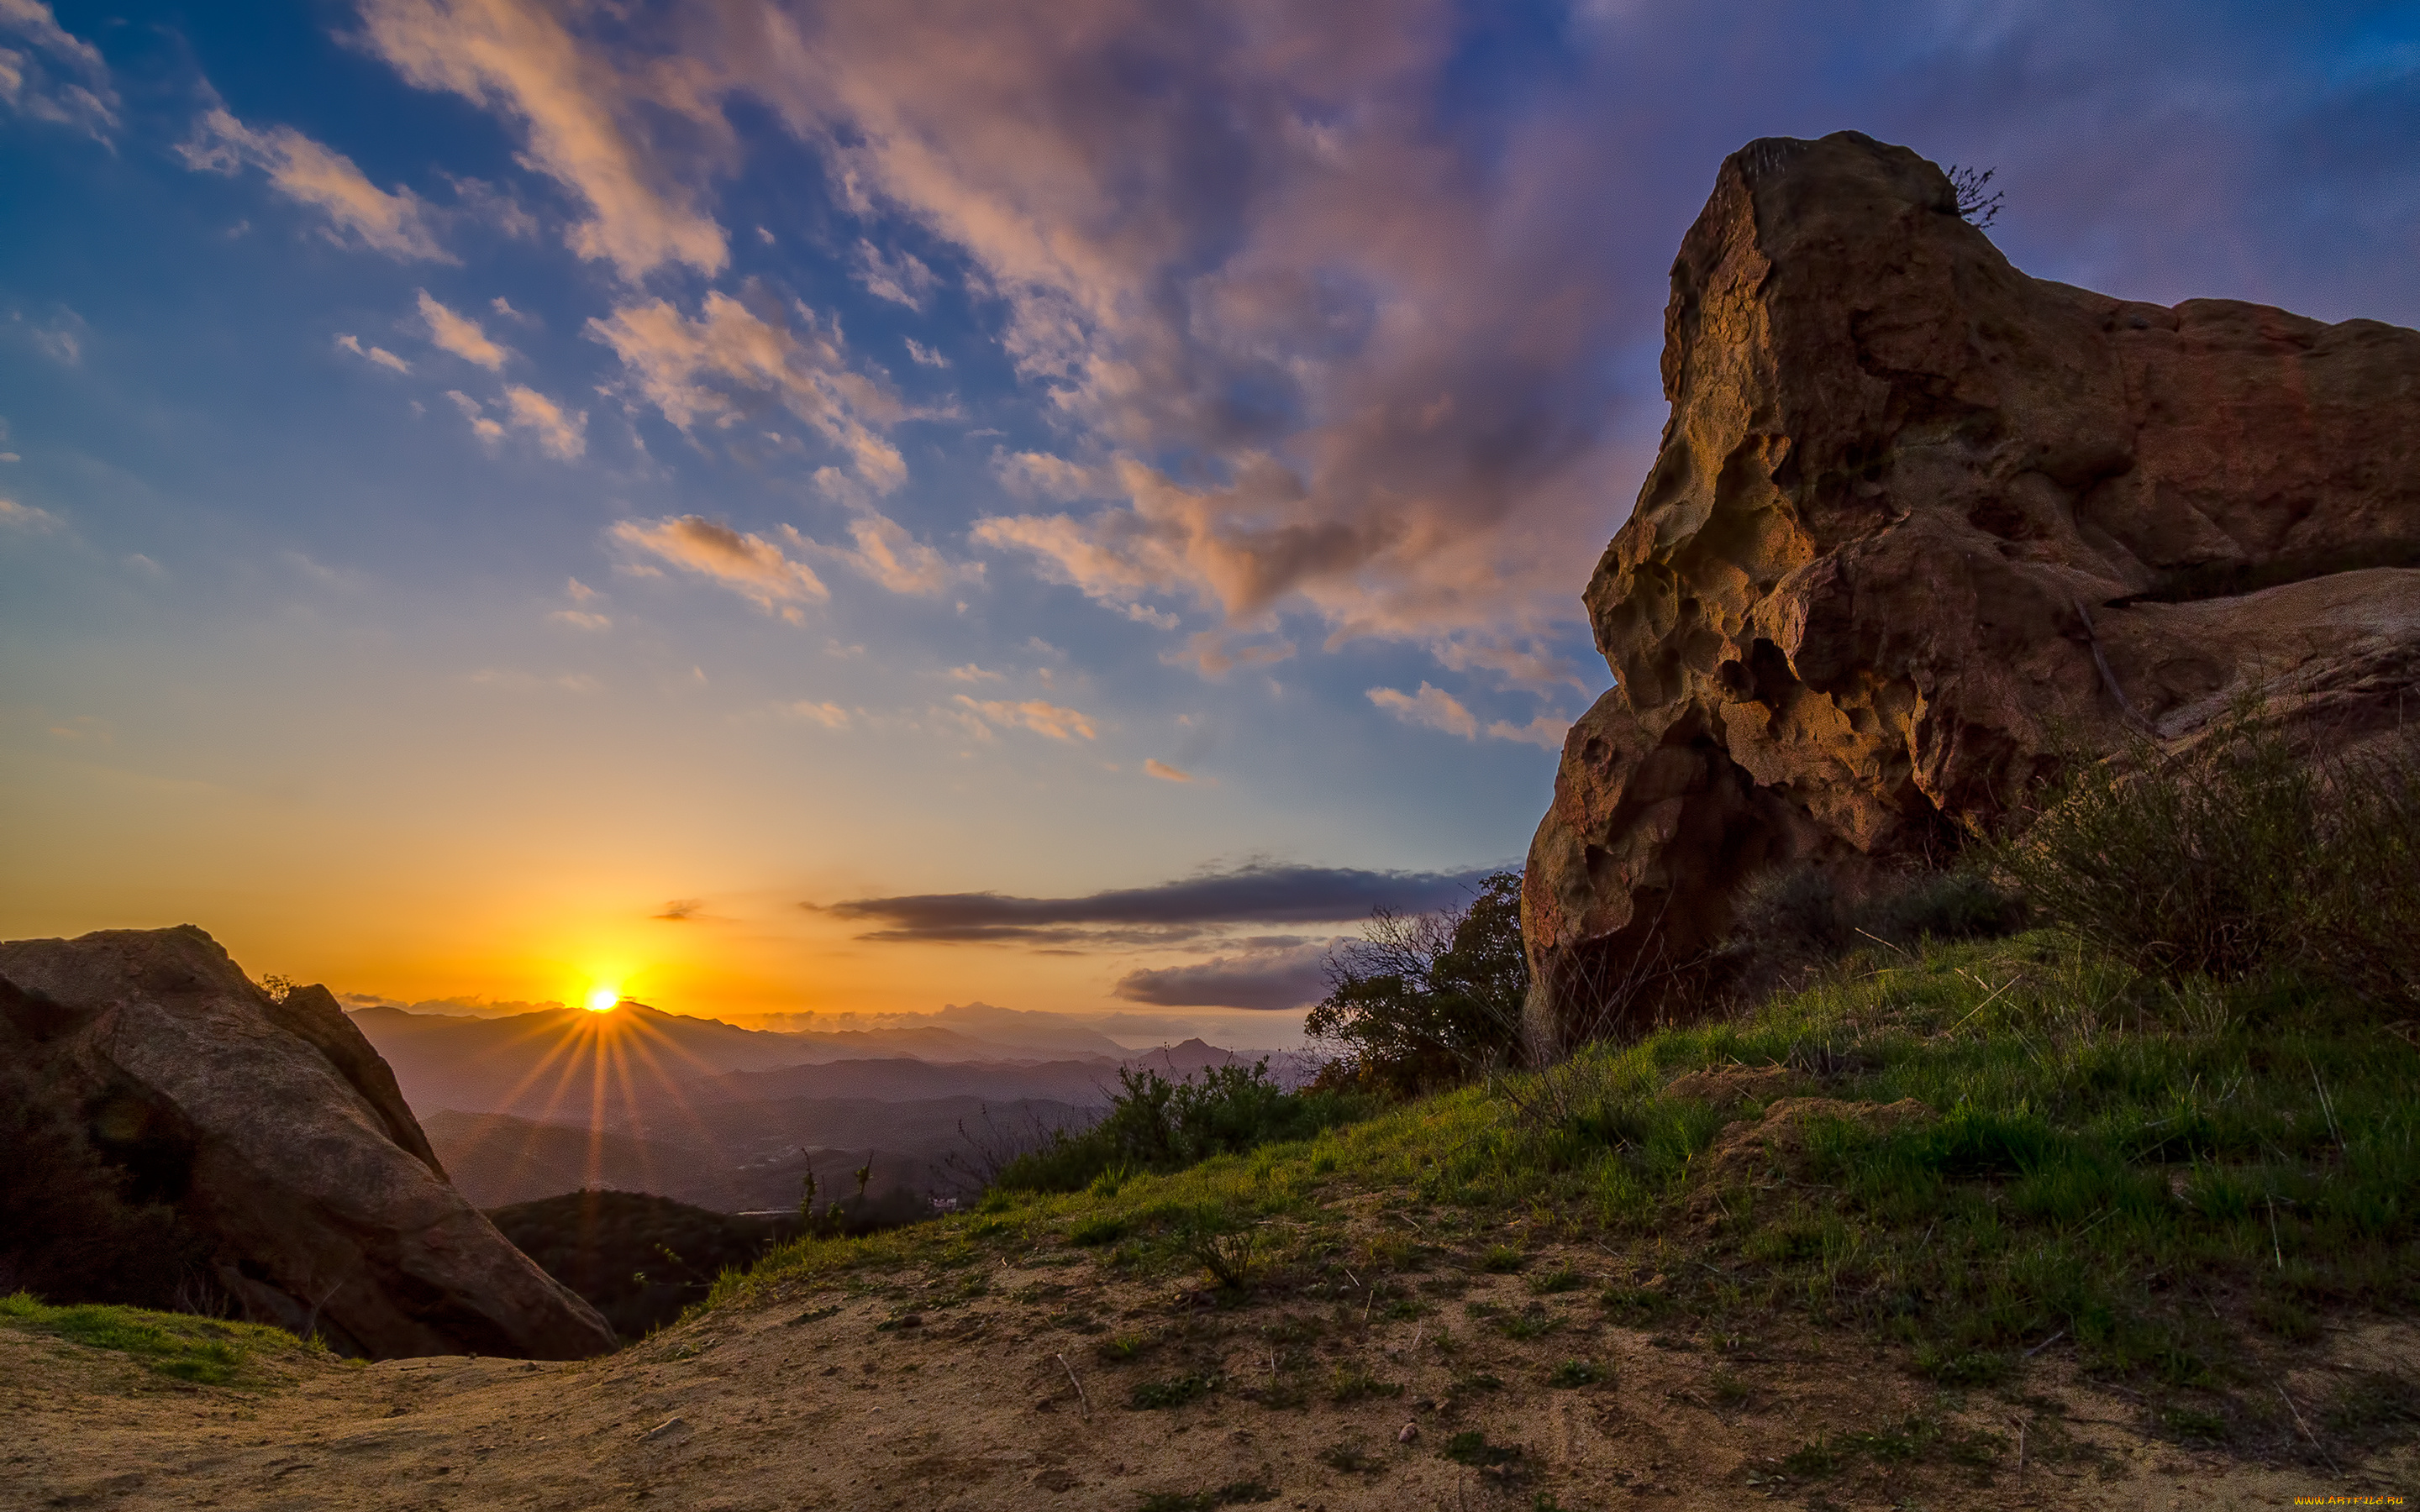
<point>203,1350</point>
<point>1471,1448</point>
<point>2163,1180</point>
<point>1157,1395</point>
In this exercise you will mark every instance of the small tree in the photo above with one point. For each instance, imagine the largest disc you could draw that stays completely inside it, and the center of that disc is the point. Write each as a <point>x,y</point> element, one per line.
<point>1427,999</point>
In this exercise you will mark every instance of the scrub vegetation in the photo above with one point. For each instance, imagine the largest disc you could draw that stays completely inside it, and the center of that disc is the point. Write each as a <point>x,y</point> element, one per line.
<point>2174,1166</point>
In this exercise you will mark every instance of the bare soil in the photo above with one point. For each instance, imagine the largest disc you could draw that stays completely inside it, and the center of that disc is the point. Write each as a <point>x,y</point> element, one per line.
<point>1014,1389</point>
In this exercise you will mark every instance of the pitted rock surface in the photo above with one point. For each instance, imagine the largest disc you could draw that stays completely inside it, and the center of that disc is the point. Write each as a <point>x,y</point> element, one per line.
<point>1918,524</point>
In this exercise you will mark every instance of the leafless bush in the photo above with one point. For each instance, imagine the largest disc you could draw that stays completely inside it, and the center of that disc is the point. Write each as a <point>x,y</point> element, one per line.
<point>991,1145</point>
<point>1975,204</point>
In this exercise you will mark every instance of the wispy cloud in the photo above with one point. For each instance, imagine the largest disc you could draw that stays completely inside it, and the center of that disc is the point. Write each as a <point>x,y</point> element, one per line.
<point>1043,718</point>
<point>830,716</point>
<point>1153,766</point>
<point>580,619</point>
<point>561,434</point>
<point>1433,707</point>
<point>60,78</point>
<point>17,516</point>
<point>713,367</point>
<point>924,356</point>
<point>901,279</point>
<point>1214,654</point>
<point>881,551</point>
<point>750,565</point>
<point>582,117</point>
<point>1546,731</point>
<point>1260,893</point>
<point>490,431</point>
<point>461,335</point>
<point>378,355</point>
<point>359,212</point>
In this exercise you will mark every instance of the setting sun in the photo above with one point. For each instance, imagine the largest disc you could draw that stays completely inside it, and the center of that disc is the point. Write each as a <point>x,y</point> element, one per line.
<point>603,999</point>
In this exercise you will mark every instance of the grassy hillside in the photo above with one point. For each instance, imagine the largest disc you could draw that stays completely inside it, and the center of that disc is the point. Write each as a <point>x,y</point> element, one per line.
<point>1994,1155</point>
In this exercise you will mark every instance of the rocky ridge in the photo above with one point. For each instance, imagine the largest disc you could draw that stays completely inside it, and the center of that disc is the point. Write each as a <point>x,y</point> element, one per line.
<point>1918,525</point>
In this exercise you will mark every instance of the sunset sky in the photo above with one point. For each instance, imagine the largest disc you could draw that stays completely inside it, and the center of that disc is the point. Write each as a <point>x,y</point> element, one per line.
<point>501,499</point>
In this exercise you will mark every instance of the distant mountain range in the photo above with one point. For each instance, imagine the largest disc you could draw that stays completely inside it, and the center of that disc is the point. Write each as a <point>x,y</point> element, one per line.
<point>540,1103</point>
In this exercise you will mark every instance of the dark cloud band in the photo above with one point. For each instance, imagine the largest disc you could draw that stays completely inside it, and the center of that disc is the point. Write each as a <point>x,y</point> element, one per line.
<point>1169,911</point>
<point>1277,980</point>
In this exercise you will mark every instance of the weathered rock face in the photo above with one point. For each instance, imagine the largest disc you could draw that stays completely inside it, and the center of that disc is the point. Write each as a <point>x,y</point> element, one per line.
<point>1920,521</point>
<point>278,1136</point>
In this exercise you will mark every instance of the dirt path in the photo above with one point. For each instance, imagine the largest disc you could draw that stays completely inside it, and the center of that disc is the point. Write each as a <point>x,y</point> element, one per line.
<point>833,1397</point>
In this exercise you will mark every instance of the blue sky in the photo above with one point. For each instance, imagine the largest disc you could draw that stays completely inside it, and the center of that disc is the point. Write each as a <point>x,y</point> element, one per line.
<point>481,472</point>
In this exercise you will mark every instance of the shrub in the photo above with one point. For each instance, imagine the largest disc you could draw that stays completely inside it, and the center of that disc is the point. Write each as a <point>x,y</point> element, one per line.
<point>1427,1000</point>
<point>1155,1124</point>
<point>2245,856</point>
<point>1803,912</point>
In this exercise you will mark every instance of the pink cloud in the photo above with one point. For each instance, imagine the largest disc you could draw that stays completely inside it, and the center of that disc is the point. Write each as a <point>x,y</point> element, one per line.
<point>748,565</point>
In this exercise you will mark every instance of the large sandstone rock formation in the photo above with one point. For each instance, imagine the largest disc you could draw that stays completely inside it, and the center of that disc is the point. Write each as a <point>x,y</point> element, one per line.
<point>1920,523</point>
<point>279,1139</point>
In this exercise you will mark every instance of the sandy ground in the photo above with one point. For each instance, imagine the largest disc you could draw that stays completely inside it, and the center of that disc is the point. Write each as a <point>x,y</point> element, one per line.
<point>808,1399</point>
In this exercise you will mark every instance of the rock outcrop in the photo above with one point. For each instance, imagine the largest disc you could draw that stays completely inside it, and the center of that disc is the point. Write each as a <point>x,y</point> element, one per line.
<point>1919,523</point>
<point>276,1136</point>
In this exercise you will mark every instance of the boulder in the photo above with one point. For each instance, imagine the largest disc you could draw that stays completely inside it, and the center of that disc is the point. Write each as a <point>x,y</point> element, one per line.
<point>1919,527</point>
<point>276,1136</point>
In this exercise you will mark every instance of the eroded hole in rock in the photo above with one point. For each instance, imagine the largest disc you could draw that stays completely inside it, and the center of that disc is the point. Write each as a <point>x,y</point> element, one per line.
<point>2003,518</point>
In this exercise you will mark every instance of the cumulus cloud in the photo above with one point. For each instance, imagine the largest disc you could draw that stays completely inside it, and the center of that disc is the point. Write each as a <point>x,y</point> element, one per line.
<point>1244,238</point>
<point>715,367</point>
<point>461,335</point>
<point>1329,339</point>
<point>1285,976</point>
<point>359,212</point>
<point>1433,708</point>
<point>750,565</point>
<point>378,355</point>
<point>54,75</point>
<point>1041,717</point>
<point>1153,766</point>
<point>583,117</point>
<point>1257,250</point>
<point>1261,893</point>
